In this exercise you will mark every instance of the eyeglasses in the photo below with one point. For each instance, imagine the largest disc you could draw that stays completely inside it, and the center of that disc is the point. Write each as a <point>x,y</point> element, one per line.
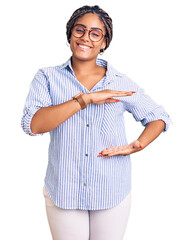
<point>95,35</point>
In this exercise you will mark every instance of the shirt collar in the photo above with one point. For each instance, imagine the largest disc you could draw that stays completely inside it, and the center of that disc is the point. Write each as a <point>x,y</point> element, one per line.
<point>111,72</point>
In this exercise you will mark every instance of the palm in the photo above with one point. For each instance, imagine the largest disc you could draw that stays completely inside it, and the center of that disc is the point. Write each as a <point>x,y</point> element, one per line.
<point>121,150</point>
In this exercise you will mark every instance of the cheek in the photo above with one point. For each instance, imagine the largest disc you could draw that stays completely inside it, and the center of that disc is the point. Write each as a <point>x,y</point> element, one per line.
<point>72,40</point>
<point>99,46</point>
<point>72,44</point>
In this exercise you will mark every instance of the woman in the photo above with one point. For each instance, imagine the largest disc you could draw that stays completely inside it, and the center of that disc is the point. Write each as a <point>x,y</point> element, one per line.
<point>88,179</point>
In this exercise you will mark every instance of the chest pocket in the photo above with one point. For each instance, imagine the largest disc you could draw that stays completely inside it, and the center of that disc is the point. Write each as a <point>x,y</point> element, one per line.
<point>112,120</point>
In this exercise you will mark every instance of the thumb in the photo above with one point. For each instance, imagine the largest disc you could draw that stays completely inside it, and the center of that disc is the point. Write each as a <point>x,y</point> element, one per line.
<point>136,144</point>
<point>112,100</point>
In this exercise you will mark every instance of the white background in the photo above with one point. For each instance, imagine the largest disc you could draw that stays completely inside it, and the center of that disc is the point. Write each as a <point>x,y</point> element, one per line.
<point>153,45</point>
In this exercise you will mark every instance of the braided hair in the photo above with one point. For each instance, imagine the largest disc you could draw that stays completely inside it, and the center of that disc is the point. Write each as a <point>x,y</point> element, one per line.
<point>103,16</point>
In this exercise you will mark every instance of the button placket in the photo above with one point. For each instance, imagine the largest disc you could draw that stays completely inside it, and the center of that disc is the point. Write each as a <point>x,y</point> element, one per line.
<point>86,148</point>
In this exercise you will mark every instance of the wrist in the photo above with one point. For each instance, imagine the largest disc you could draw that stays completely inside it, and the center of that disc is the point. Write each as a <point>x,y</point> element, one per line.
<point>86,97</point>
<point>141,144</point>
<point>136,146</point>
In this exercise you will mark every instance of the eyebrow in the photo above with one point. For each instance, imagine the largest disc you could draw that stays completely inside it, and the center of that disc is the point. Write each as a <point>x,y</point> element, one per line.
<point>85,27</point>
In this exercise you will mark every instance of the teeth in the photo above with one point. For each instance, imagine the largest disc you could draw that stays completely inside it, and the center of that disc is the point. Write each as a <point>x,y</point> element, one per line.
<point>84,47</point>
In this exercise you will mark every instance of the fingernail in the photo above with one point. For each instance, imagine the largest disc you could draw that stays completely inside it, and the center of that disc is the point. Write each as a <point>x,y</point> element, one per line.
<point>140,146</point>
<point>117,100</point>
<point>133,92</point>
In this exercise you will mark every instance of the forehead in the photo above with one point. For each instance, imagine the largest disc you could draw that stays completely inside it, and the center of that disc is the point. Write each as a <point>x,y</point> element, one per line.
<point>91,20</point>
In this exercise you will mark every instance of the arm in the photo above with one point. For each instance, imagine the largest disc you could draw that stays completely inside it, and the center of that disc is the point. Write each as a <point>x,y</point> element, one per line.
<point>151,115</point>
<point>149,134</point>
<point>39,114</point>
<point>48,118</point>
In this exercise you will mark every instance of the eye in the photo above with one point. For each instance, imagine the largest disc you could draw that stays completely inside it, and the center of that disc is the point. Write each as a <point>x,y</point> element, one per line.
<point>96,34</point>
<point>79,30</point>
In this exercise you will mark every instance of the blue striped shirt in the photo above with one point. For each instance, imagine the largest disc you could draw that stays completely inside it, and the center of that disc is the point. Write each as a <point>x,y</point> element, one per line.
<point>75,177</point>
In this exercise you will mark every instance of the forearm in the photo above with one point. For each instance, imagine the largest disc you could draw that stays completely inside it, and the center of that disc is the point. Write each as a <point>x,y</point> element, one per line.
<point>48,118</point>
<point>151,132</point>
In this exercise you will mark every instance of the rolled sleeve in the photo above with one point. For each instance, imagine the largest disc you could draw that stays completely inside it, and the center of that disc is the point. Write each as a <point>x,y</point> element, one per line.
<point>143,108</point>
<point>27,118</point>
<point>37,98</point>
<point>157,114</point>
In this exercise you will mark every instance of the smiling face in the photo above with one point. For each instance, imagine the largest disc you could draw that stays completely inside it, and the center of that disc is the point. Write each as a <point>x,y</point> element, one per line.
<point>83,48</point>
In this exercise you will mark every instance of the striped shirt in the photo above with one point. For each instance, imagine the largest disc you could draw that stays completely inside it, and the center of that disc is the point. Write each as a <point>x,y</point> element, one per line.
<point>75,177</point>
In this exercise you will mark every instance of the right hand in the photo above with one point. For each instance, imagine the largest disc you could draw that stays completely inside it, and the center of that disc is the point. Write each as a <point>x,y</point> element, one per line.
<point>105,96</point>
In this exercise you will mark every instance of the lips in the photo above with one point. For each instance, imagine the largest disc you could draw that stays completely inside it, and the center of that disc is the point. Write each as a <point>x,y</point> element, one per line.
<point>83,46</point>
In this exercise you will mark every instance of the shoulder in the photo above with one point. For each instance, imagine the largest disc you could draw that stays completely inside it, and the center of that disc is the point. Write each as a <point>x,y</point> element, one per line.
<point>118,73</point>
<point>122,77</point>
<point>49,71</point>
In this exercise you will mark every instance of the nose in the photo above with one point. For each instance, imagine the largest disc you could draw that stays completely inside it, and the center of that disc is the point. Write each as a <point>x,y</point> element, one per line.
<point>86,35</point>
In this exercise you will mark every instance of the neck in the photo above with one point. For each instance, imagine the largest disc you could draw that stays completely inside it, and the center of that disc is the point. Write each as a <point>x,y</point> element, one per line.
<point>83,66</point>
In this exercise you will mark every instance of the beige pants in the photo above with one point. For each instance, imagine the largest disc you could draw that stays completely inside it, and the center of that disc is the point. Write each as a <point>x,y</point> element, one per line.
<point>76,224</point>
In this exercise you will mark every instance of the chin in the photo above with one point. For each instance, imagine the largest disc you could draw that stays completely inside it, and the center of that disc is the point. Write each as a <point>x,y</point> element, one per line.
<point>83,57</point>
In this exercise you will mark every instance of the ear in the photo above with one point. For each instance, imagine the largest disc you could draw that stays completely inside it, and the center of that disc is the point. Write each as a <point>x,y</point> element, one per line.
<point>103,44</point>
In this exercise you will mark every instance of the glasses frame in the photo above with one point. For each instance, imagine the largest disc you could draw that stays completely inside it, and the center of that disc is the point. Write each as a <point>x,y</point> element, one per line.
<point>89,31</point>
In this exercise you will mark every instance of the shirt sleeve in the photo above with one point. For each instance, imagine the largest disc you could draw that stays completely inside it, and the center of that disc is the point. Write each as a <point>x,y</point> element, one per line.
<point>38,97</point>
<point>143,108</point>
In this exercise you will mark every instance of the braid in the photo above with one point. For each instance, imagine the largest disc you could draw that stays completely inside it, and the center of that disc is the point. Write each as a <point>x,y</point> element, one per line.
<point>103,16</point>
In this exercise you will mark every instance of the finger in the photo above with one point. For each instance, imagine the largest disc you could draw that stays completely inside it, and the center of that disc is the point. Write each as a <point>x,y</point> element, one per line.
<point>112,100</point>
<point>137,145</point>
<point>105,155</point>
<point>115,91</point>
<point>121,93</point>
<point>131,93</point>
<point>112,153</point>
<point>110,149</point>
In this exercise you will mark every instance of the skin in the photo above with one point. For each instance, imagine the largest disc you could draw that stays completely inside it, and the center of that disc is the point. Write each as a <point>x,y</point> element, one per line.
<point>88,57</point>
<point>86,62</point>
<point>150,133</point>
<point>88,73</point>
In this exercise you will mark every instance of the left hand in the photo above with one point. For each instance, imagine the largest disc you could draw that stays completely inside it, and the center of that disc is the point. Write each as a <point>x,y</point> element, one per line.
<point>122,150</point>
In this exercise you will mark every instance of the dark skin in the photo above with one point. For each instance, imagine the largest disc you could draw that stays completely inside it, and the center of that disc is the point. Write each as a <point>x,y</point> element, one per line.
<point>84,55</point>
<point>85,62</point>
<point>150,133</point>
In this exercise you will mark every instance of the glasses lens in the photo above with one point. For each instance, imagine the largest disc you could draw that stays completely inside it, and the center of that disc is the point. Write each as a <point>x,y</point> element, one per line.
<point>78,31</point>
<point>95,35</point>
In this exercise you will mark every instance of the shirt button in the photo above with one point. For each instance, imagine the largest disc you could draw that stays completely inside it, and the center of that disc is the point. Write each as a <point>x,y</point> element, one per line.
<point>86,154</point>
<point>87,125</point>
<point>84,184</point>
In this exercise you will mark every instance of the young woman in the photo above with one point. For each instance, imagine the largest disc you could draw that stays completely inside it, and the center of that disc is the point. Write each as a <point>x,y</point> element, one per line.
<point>81,104</point>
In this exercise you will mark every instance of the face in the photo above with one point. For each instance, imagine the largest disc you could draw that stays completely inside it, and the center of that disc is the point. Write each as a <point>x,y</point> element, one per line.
<point>83,48</point>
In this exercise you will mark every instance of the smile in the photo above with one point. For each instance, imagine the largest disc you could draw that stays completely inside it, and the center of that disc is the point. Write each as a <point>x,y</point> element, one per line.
<point>83,47</point>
